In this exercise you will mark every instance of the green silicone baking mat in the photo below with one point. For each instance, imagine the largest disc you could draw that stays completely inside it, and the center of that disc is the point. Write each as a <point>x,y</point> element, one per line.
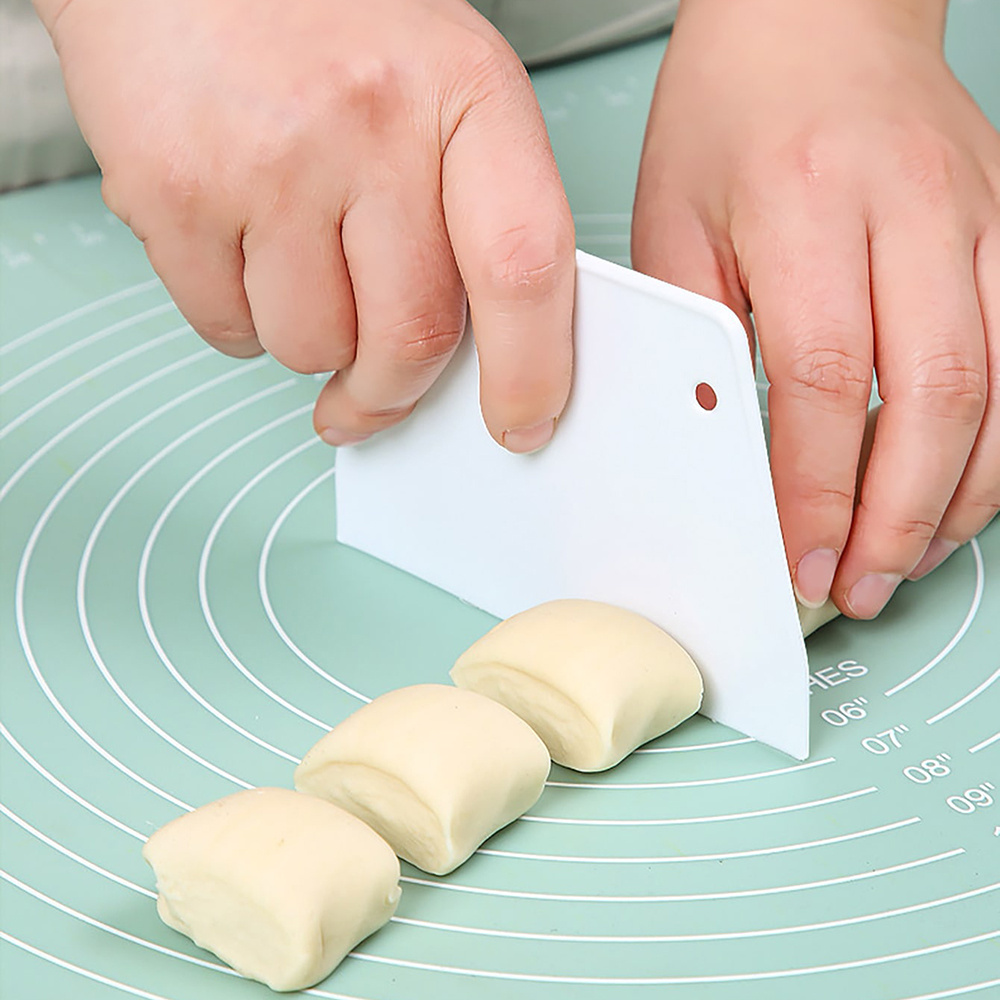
<point>178,623</point>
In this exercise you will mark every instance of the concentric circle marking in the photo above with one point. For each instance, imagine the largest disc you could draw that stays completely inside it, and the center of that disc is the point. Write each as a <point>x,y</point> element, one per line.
<point>685,858</point>
<point>688,897</point>
<point>74,314</point>
<point>728,779</point>
<point>92,541</point>
<point>679,820</point>
<point>713,936</point>
<point>977,596</point>
<point>265,596</point>
<point>179,623</point>
<point>680,980</point>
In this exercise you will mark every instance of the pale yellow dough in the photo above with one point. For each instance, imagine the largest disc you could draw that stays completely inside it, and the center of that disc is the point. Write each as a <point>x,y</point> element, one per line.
<point>433,769</point>
<point>594,681</point>
<point>813,618</point>
<point>279,885</point>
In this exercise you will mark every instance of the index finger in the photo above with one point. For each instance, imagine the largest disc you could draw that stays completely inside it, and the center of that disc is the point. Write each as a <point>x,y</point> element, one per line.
<point>810,292</point>
<point>514,242</point>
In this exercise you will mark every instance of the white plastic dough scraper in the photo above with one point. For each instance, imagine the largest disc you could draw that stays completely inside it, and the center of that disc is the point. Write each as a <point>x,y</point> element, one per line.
<point>645,498</point>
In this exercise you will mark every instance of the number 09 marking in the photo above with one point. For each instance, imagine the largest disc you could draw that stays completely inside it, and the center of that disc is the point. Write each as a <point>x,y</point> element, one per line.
<point>971,799</point>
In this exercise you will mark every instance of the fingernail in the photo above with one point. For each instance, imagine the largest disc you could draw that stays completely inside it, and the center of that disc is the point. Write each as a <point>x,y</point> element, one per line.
<point>937,551</point>
<point>814,577</point>
<point>870,594</point>
<point>523,440</point>
<point>340,439</point>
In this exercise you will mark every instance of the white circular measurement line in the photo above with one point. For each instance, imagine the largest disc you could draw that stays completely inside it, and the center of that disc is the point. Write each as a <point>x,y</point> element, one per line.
<point>64,788</point>
<point>962,702</point>
<point>989,741</point>
<point>265,596</point>
<point>682,858</point>
<point>105,516</point>
<point>209,548</point>
<point>88,376</point>
<point>977,597</point>
<point>147,621</point>
<point>562,897</point>
<point>467,930</point>
<point>29,549</point>
<point>132,939</point>
<point>85,310</point>
<point>95,977</point>
<point>79,345</point>
<point>774,811</point>
<point>686,938</point>
<point>205,603</point>
<point>694,783</point>
<point>134,991</point>
<point>688,897</point>
<point>697,746</point>
<point>733,977</point>
<point>73,856</point>
<point>652,939</point>
<point>959,991</point>
<point>108,929</point>
<point>99,408</point>
<point>86,939</point>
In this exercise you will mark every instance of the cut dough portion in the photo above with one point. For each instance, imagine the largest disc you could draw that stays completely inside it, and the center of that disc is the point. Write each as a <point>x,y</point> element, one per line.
<point>594,681</point>
<point>433,769</point>
<point>279,885</point>
<point>813,618</point>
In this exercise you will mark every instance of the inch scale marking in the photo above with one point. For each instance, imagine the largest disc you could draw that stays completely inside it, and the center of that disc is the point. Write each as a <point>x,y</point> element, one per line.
<point>884,741</point>
<point>972,799</point>
<point>928,769</point>
<point>846,713</point>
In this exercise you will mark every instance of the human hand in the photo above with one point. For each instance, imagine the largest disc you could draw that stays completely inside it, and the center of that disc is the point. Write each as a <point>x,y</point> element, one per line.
<point>326,181</point>
<point>819,165</point>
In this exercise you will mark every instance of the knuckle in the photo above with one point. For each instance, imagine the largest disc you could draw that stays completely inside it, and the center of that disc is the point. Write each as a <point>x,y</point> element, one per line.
<point>826,496</point>
<point>981,508</point>
<point>371,90</point>
<point>312,356</point>
<point>831,373</point>
<point>528,262</point>
<point>341,356</point>
<point>426,339</point>
<point>950,387</point>
<point>899,527</point>
<point>367,420</point>
<point>812,157</point>
<point>181,190</point>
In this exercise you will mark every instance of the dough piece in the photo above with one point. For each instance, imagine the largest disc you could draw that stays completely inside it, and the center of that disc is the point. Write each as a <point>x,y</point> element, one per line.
<point>279,885</point>
<point>433,769</point>
<point>813,618</point>
<point>593,680</point>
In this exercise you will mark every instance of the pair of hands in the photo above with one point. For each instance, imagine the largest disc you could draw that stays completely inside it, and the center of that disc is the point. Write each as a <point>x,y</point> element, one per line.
<point>334,182</point>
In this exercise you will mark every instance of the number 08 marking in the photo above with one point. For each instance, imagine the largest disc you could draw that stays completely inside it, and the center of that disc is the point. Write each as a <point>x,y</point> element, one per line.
<point>927,770</point>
